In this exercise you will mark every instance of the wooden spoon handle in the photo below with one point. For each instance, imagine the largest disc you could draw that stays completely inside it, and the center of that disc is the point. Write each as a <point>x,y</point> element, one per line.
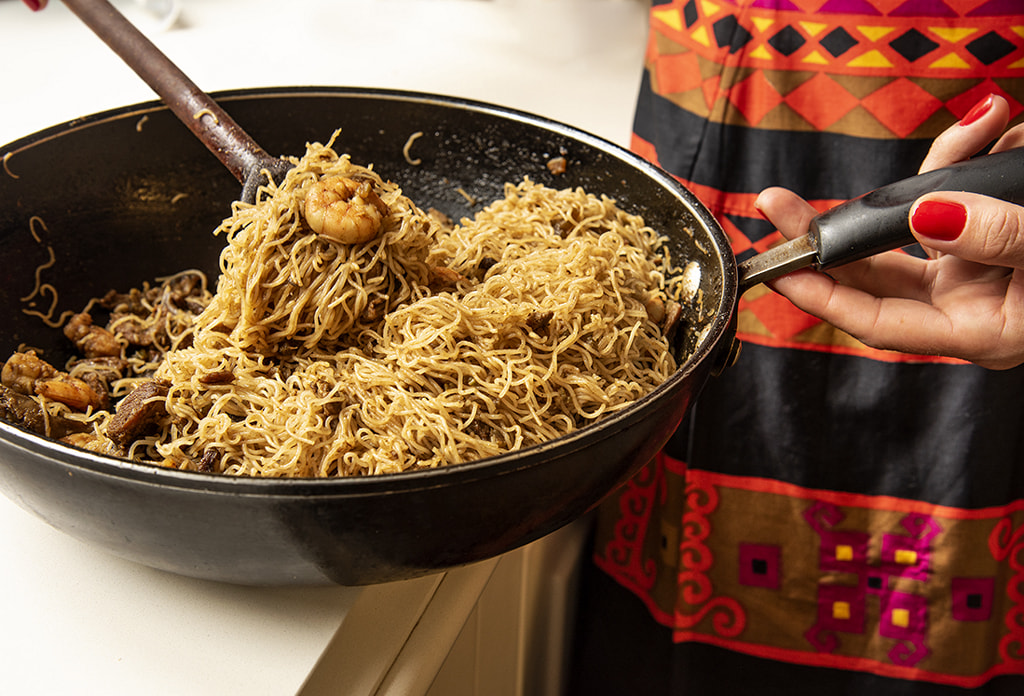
<point>243,157</point>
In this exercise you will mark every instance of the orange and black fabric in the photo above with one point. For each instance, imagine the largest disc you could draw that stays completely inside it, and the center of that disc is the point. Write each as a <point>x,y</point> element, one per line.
<point>831,518</point>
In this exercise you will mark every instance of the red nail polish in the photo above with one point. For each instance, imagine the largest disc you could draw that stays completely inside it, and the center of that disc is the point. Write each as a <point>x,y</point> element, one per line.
<point>939,220</point>
<point>977,111</point>
<point>32,4</point>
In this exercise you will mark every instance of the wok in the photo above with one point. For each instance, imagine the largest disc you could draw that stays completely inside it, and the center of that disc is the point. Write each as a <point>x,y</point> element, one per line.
<point>148,209</point>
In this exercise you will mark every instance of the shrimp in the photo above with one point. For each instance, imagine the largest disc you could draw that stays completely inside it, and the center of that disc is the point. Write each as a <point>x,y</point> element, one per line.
<point>345,210</point>
<point>28,374</point>
<point>70,391</point>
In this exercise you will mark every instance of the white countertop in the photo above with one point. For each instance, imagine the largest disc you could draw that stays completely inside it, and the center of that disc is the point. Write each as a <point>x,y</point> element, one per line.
<point>78,621</point>
<point>576,61</point>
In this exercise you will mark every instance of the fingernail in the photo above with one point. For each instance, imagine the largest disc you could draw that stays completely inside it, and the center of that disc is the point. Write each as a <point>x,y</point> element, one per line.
<point>939,220</point>
<point>977,111</point>
<point>32,4</point>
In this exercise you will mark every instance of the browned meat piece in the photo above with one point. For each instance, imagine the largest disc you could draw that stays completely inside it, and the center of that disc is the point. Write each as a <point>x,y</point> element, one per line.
<point>140,318</point>
<point>100,387</point>
<point>93,341</point>
<point>571,220</point>
<point>557,165</point>
<point>137,412</point>
<point>23,370</point>
<point>133,329</point>
<point>186,286</point>
<point>209,458</point>
<point>219,377</point>
<point>25,411</point>
<point>185,293</point>
<point>538,321</point>
<point>108,368</point>
<point>673,313</point>
<point>375,308</point>
<point>655,307</point>
<point>125,303</point>
<point>480,430</point>
<point>665,313</point>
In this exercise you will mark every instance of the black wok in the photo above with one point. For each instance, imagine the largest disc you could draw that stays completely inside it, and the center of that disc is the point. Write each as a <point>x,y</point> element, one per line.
<point>148,210</point>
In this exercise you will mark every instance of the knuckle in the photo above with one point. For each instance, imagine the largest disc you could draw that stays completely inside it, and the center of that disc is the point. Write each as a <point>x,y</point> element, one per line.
<point>999,235</point>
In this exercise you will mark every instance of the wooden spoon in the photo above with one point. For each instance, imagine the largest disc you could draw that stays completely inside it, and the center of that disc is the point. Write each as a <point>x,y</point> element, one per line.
<point>242,155</point>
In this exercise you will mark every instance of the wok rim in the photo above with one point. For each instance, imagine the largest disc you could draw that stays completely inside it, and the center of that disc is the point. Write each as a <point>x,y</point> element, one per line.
<point>715,331</point>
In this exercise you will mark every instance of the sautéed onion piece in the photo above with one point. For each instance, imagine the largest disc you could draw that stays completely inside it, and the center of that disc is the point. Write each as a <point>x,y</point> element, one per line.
<point>433,343</point>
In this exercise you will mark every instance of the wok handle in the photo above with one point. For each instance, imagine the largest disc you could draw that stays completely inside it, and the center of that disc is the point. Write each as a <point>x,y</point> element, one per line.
<point>880,220</point>
<point>243,157</point>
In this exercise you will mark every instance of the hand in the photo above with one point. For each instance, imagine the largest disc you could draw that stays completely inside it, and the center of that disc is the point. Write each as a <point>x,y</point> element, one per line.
<point>966,300</point>
<point>35,5</point>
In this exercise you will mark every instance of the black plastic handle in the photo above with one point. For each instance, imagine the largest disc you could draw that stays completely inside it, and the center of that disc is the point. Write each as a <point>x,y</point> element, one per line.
<point>880,220</point>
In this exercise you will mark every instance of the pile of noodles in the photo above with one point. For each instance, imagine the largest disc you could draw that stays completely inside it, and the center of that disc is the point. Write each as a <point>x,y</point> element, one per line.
<point>316,358</point>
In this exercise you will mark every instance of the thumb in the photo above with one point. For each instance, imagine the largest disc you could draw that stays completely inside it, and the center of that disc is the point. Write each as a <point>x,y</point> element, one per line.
<point>970,226</point>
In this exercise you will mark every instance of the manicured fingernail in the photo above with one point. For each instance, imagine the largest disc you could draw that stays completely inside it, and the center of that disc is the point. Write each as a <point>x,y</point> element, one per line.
<point>939,220</point>
<point>32,4</point>
<point>977,111</point>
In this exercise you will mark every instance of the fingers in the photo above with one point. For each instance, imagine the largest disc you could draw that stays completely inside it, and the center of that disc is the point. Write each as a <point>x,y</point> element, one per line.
<point>967,303</point>
<point>863,297</point>
<point>790,213</point>
<point>979,126</point>
<point>893,274</point>
<point>875,299</point>
<point>877,320</point>
<point>1011,139</point>
<point>809,290</point>
<point>982,322</point>
<point>970,226</point>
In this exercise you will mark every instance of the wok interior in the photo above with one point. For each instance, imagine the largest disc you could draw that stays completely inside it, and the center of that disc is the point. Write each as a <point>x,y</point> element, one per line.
<point>129,196</point>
